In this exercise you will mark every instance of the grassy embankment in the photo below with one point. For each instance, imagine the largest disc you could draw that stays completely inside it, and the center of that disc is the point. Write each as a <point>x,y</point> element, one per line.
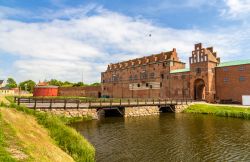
<point>61,135</point>
<point>219,110</point>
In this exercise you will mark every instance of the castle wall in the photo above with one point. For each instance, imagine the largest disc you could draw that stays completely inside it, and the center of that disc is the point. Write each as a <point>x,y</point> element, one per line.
<point>232,82</point>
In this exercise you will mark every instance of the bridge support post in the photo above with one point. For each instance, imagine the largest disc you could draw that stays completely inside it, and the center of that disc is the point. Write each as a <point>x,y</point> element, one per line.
<point>78,103</point>
<point>50,104</point>
<point>35,104</point>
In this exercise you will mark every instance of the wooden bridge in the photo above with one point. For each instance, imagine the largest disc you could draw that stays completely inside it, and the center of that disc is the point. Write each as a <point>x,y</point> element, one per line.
<point>70,103</point>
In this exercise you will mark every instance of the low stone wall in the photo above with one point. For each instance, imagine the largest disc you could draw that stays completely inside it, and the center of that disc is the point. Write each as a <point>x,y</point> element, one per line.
<point>141,111</point>
<point>128,111</point>
<point>72,112</point>
<point>180,108</point>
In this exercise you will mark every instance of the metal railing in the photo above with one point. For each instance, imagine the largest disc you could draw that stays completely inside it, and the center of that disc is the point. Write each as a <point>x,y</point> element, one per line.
<point>54,103</point>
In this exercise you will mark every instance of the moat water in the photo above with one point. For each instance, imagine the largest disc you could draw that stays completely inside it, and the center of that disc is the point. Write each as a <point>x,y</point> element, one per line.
<point>168,137</point>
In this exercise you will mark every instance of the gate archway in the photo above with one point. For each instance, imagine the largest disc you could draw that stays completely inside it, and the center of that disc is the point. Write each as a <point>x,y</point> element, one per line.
<point>199,89</point>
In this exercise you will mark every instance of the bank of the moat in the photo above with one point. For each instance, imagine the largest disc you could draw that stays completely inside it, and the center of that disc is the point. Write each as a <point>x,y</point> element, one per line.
<point>168,137</point>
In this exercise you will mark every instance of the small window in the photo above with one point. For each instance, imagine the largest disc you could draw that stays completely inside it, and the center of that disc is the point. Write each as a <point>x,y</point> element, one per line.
<point>242,68</point>
<point>152,75</point>
<point>242,78</point>
<point>162,76</point>
<point>103,81</point>
<point>225,69</point>
<point>151,86</point>
<point>226,79</point>
<point>138,85</point>
<point>160,84</point>
<point>198,70</point>
<point>146,84</point>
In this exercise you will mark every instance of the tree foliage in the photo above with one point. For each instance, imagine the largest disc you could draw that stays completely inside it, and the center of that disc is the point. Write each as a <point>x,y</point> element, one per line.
<point>59,83</point>
<point>27,85</point>
<point>11,83</point>
<point>95,84</point>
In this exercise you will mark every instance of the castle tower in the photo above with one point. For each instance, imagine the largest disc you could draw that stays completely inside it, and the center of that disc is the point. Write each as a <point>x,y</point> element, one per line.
<point>202,71</point>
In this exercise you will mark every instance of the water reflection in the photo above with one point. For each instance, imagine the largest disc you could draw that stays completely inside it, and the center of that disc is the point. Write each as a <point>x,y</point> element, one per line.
<point>169,137</point>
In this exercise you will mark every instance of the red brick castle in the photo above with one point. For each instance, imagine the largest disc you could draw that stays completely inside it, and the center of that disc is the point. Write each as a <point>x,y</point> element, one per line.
<point>165,76</point>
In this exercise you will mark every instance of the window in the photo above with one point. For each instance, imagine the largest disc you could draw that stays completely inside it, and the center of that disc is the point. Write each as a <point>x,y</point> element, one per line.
<point>135,77</point>
<point>242,78</point>
<point>160,84</point>
<point>103,81</point>
<point>151,86</point>
<point>226,79</point>
<point>146,84</point>
<point>152,75</point>
<point>225,69</point>
<point>144,75</point>
<point>241,68</point>
<point>162,76</point>
<point>198,70</point>
<point>138,85</point>
<point>130,77</point>
<point>205,59</point>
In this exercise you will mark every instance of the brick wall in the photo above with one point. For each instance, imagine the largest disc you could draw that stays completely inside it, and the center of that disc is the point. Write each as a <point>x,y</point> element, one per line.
<point>88,91</point>
<point>232,82</point>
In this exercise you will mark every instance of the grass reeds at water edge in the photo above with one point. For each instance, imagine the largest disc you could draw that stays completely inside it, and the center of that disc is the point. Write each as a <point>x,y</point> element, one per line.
<point>218,110</point>
<point>68,139</point>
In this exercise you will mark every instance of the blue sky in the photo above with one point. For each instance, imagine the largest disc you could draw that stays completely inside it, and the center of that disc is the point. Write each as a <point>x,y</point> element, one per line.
<point>64,38</point>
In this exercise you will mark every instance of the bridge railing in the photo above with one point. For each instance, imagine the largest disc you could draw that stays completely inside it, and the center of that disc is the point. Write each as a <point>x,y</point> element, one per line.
<point>55,103</point>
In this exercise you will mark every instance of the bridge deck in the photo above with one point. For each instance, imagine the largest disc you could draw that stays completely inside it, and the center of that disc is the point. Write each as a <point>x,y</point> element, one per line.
<point>41,103</point>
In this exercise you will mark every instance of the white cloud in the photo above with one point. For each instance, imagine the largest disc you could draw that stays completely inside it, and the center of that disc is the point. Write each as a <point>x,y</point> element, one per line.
<point>237,9</point>
<point>66,48</point>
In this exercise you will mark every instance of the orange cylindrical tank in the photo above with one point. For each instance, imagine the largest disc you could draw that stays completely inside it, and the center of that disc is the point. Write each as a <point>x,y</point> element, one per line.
<point>45,91</point>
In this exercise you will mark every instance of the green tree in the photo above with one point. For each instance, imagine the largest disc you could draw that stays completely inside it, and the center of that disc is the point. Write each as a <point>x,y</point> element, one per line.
<point>95,84</point>
<point>11,83</point>
<point>27,85</point>
<point>67,84</point>
<point>55,82</point>
<point>79,84</point>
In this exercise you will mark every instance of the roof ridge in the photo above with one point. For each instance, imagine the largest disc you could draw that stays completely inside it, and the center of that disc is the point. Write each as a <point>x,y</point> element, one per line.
<point>234,63</point>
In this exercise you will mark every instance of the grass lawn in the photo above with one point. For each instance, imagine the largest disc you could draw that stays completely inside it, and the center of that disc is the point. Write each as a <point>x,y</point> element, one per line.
<point>227,111</point>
